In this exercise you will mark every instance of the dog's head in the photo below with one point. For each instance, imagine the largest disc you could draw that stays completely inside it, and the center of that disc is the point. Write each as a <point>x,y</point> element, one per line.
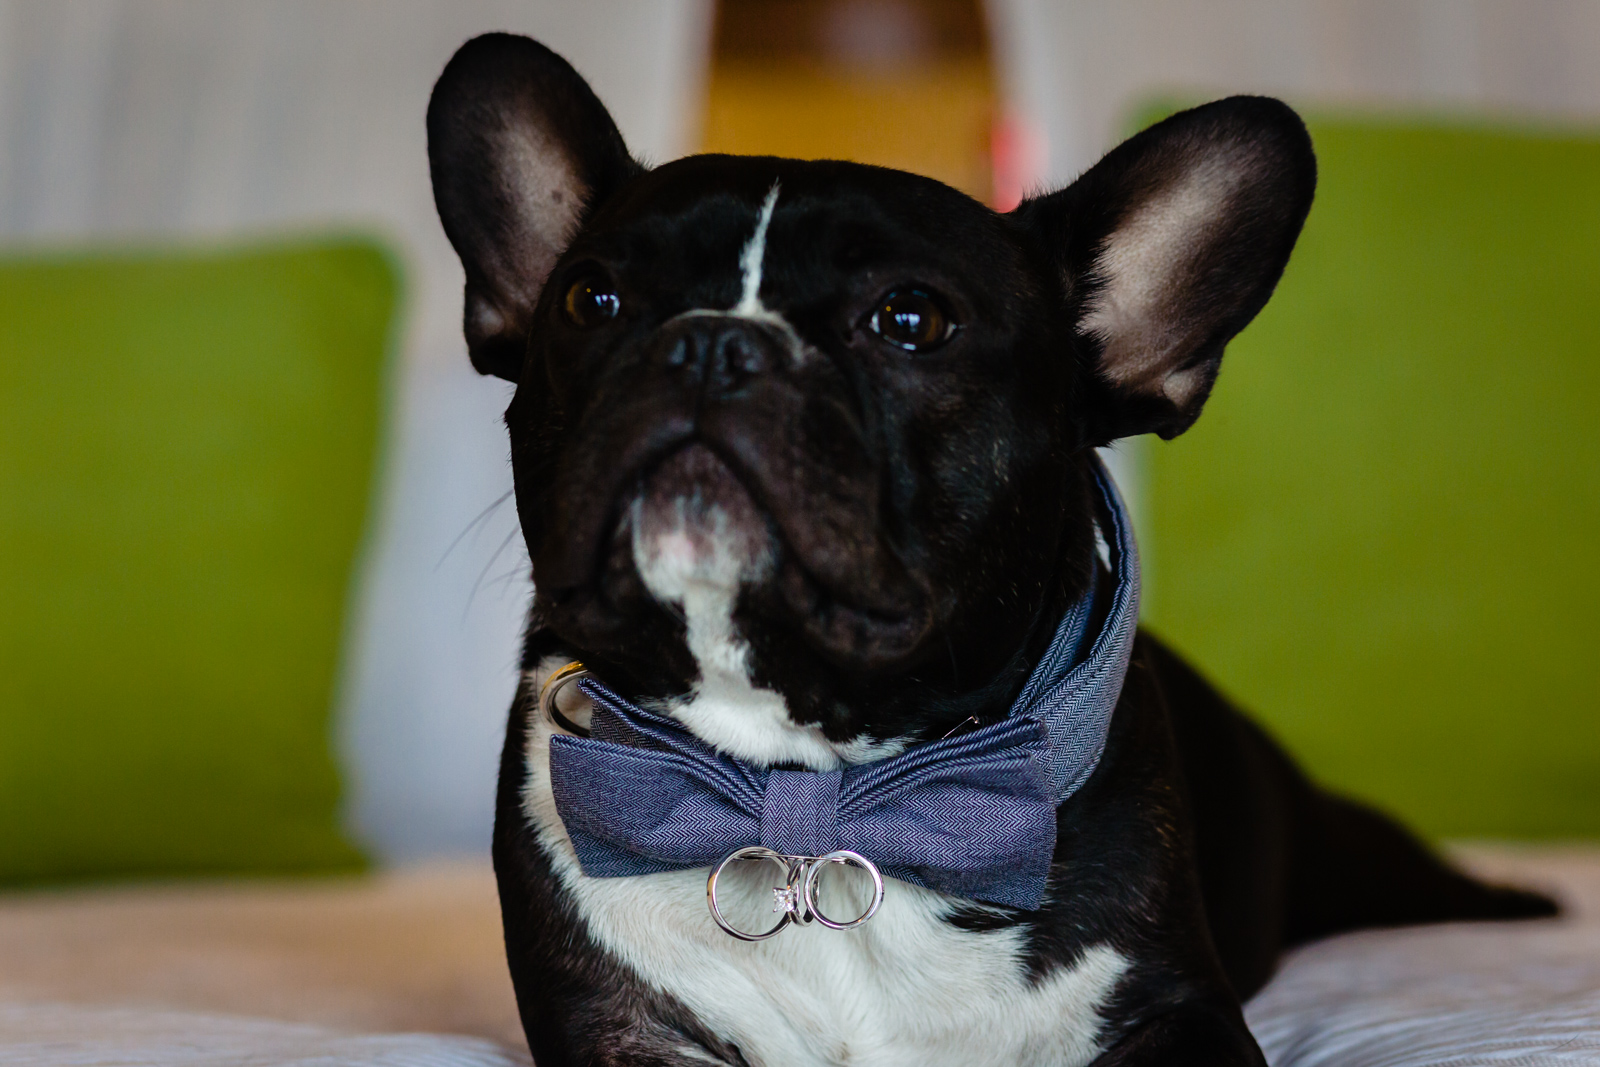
<point>802,446</point>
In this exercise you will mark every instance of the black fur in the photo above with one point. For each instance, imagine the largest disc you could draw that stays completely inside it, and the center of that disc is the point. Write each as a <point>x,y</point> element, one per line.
<point>928,513</point>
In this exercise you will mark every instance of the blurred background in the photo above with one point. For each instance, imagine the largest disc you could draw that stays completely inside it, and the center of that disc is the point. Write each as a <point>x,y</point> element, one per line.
<point>261,582</point>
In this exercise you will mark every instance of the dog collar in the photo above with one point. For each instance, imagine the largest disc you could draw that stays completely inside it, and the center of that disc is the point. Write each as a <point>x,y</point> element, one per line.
<point>972,815</point>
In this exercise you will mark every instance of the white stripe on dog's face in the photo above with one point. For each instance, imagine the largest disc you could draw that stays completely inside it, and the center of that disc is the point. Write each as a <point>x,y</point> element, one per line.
<point>753,258</point>
<point>752,265</point>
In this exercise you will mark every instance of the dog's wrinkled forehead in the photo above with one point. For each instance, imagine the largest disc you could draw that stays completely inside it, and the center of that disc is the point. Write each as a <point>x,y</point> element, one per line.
<point>708,228</point>
<point>722,280</point>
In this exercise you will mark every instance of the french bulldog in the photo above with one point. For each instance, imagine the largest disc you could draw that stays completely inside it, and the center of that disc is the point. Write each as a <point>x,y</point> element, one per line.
<point>805,459</point>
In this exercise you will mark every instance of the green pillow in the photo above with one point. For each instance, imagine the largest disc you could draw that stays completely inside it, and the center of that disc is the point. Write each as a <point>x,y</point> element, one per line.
<point>1383,535</point>
<point>187,443</point>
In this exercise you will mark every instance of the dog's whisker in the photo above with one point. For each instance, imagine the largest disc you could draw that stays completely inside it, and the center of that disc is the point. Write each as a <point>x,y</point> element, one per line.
<point>484,573</point>
<point>504,580</point>
<point>482,517</point>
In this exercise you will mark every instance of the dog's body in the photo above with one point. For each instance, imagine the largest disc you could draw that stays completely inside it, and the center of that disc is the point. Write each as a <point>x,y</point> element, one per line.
<point>804,459</point>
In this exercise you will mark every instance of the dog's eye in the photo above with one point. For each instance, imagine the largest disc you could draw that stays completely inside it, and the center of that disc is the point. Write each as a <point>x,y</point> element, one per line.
<point>591,302</point>
<point>911,319</point>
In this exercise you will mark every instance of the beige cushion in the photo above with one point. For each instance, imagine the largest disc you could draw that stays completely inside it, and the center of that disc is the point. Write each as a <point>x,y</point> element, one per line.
<point>68,1035</point>
<point>412,950</point>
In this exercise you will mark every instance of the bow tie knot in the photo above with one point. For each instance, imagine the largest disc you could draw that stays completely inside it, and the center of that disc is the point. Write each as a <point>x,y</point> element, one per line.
<point>800,812</point>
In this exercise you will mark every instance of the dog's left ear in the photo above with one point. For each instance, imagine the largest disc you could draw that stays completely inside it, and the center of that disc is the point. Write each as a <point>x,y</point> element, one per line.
<point>519,148</point>
<point>1168,247</point>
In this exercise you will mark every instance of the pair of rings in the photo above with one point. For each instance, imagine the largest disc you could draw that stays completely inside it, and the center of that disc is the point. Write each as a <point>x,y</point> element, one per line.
<point>796,897</point>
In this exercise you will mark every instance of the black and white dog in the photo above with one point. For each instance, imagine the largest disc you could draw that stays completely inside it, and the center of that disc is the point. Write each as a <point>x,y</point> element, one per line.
<point>805,461</point>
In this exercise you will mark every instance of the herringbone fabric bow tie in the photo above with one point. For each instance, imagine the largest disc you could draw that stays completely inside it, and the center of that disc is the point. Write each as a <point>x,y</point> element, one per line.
<point>633,810</point>
<point>971,815</point>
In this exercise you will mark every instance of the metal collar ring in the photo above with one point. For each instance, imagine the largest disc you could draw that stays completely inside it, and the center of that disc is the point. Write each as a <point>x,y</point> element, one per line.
<point>559,679</point>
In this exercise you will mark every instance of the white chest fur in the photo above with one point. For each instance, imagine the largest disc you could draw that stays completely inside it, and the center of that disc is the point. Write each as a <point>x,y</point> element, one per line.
<point>906,989</point>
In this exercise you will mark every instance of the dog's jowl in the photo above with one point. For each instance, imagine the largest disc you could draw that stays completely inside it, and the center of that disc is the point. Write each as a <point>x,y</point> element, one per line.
<point>805,461</point>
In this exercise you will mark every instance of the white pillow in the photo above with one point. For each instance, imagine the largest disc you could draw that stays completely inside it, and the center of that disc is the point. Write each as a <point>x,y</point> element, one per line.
<point>1505,994</point>
<point>62,1035</point>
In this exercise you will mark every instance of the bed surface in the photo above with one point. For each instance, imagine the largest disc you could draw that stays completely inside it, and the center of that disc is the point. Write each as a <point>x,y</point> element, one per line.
<point>419,950</point>
<point>1464,995</point>
<point>408,950</point>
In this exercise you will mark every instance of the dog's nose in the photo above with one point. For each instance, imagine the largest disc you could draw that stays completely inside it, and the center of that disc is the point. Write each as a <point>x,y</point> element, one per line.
<point>718,353</point>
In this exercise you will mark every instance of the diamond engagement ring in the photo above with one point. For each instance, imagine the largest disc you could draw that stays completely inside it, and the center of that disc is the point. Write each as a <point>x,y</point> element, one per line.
<point>795,898</point>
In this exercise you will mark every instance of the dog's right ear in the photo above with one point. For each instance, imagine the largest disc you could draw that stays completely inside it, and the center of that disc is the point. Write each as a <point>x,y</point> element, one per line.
<point>519,148</point>
<point>1168,247</point>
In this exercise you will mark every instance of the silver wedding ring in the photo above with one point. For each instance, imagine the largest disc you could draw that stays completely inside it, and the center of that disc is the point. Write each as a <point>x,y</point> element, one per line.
<point>796,896</point>
<point>814,867</point>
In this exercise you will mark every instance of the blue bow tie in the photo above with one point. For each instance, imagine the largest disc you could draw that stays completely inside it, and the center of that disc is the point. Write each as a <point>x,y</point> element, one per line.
<point>971,815</point>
